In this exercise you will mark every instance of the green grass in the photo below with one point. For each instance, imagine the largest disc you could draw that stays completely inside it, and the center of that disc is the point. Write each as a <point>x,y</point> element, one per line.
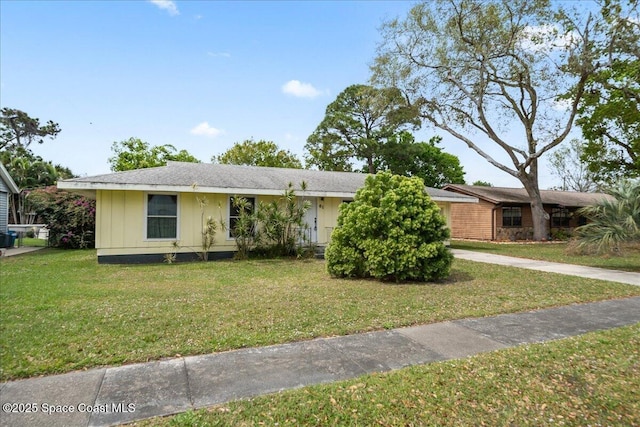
<point>593,379</point>
<point>62,311</point>
<point>30,241</point>
<point>556,252</point>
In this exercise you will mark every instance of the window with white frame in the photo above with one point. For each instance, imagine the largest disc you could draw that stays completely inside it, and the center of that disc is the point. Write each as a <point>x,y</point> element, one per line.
<point>162,216</point>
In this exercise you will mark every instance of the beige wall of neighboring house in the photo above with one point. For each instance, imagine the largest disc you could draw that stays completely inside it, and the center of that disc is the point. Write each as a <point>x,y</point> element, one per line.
<point>472,221</point>
<point>501,213</point>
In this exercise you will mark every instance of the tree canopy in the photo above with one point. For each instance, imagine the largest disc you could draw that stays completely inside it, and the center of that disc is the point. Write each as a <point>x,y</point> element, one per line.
<point>17,129</point>
<point>566,164</point>
<point>258,153</point>
<point>609,114</point>
<point>355,127</point>
<point>29,172</point>
<point>402,155</point>
<point>492,68</point>
<point>134,153</point>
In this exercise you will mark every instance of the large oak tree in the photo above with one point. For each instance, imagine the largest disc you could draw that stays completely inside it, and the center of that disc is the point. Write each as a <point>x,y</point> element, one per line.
<point>493,69</point>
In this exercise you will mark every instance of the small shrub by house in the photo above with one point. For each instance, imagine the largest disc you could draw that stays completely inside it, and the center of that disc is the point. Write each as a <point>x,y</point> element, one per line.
<point>391,231</point>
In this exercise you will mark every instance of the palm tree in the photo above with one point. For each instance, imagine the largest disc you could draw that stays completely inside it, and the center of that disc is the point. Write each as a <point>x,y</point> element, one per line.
<point>612,222</point>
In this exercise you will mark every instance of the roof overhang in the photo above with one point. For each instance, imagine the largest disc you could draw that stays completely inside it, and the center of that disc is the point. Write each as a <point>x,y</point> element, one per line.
<point>11,184</point>
<point>88,188</point>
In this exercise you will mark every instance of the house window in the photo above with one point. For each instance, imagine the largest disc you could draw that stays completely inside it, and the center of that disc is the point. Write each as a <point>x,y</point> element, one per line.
<point>234,212</point>
<point>512,217</point>
<point>560,217</point>
<point>162,216</point>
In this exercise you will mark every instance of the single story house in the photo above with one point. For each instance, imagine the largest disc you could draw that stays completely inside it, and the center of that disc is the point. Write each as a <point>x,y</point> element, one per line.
<point>141,213</point>
<point>505,213</point>
<point>7,188</point>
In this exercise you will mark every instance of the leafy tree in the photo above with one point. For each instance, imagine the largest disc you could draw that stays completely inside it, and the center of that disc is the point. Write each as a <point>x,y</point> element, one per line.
<point>29,172</point>
<point>134,153</point>
<point>612,223</point>
<point>481,183</point>
<point>258,153</point>
<point>609,114</point>
<point>70,217</point>
<point>17,129</point>
<point>492,68</point>
<point>391,231</point>
<point>401,155</point>
<point>566,164</point>
<point>355,127</point>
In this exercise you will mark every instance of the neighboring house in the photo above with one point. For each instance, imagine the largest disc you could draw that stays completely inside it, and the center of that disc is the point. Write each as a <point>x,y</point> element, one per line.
<point>505,213</point>
<point>141,213</point>
<point>7,188</point>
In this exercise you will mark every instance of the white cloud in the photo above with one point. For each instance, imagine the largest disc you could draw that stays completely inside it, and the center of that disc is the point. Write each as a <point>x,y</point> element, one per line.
<point>203,129</point>
<point>544,38</point>
<point>168,5</point>
<point>561,104</point>
<point>299,89</point>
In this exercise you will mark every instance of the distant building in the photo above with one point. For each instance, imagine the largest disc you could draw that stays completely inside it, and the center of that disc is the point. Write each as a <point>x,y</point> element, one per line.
<point>505,213</point>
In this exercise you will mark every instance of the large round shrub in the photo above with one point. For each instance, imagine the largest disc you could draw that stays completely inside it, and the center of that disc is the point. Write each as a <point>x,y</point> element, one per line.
<point>391,231</point>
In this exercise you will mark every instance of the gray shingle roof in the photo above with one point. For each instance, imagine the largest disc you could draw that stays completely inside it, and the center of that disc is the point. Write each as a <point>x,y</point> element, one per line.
<point>519,195</point>
<point>233,179</point>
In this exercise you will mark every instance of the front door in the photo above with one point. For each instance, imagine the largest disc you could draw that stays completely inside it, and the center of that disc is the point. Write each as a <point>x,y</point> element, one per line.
<point>311,219</point>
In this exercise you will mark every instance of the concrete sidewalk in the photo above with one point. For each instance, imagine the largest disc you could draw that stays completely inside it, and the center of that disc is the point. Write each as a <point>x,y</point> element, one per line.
<point>111,396</point>
<point>5,252</point>
<point>551,267</point>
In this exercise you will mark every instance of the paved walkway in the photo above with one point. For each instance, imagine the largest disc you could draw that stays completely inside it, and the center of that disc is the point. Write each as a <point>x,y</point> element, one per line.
<point>19,251</point>
<point>115,395</point>
<point>552,267</point>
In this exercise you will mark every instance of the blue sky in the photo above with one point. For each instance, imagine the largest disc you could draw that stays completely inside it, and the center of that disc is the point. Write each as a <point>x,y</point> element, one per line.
<point>199,75</point>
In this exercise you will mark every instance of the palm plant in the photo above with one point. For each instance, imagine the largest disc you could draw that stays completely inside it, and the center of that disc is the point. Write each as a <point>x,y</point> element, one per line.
<point>612,222</point>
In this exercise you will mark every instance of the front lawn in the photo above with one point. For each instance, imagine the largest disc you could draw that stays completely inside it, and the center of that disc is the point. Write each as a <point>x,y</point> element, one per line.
<point>555,252</point>
<point>589,380</point>
<point>62,311</point>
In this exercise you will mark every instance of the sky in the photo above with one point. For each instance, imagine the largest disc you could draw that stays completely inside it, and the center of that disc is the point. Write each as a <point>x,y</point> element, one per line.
<point>199,75</point>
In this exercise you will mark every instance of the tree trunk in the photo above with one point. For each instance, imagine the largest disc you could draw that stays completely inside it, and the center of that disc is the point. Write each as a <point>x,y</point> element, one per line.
<point>372,169</point>
<point>539,216</point>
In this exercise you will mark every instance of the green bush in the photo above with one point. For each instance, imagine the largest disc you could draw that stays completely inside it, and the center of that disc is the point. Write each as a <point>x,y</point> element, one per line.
<point>273,229</point>
<point>391,231</point>
<point>70,217</point>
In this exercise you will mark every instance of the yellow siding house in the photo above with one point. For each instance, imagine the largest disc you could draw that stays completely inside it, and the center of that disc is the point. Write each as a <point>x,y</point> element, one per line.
<point>140,214</point>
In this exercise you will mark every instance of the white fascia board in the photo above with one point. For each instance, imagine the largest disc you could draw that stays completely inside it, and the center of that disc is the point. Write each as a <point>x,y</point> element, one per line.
<point>78,186</point>
<point>11,184</point>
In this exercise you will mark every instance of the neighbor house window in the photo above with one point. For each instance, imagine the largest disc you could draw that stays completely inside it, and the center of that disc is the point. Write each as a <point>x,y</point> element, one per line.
<point>162,216</point>
<point>512,217</point>
<point>560,217</point>
<point>234,211</point>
